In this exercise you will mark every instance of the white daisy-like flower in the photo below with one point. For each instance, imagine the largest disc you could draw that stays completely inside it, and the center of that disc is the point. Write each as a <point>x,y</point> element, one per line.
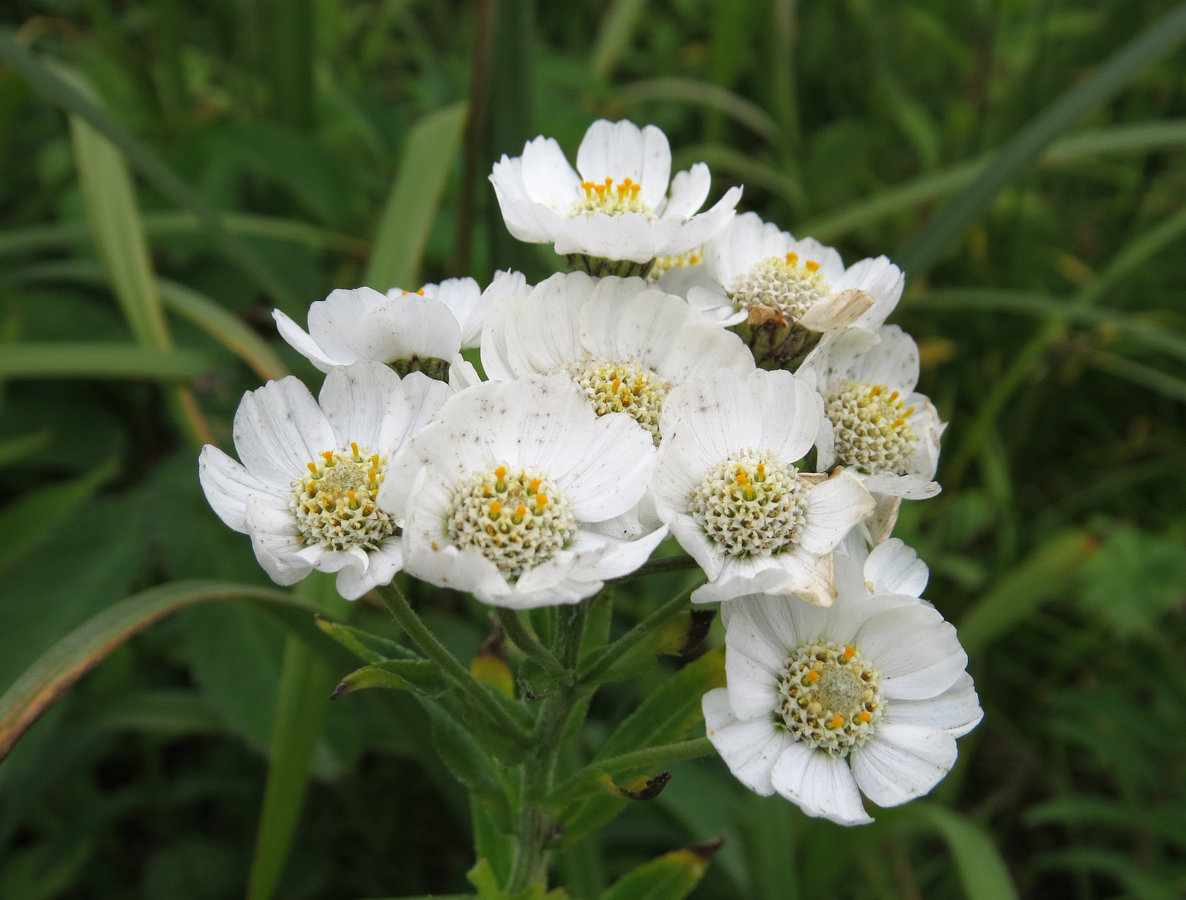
<point>519,494</point>
<point>727,486</point>
<point>788,291</point>
<point>306,489</point>
<point>615,205</point>
<point>878,426</point>
<point>412,331</point>
<point>821,705</point>
<point>891,567</point>
<point>626,344</point>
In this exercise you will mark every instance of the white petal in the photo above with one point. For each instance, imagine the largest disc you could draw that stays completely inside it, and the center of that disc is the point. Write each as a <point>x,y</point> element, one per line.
<point>894,568</point>
<point>750,749</point>
<point>902,762</point>
<point>831,509</point>
<point>279,429</point>
<point>227,486</point>
<point>300,341</point>
<point>819,784</point>
<point>547,176</point>
<point>382,565</point>
<point>956,711</point>
<point>917,652</point>
<point>689,190</point>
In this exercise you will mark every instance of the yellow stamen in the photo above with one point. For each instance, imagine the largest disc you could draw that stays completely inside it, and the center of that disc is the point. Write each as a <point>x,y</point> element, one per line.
<point>811,676</point>
<point>500,473</point>
<point>837,721</point>
<point>876,390</point>
<point>328,456</point>
<point>312,468</point>
<point>541,501</point>
<point>864,715</point>
<point>849,652</point>
<point>812,265</point>
<point>520,512</point>
<point>495,509</point>
<point>534,485</point>
<point>792,259</point>
<point>354,449</point>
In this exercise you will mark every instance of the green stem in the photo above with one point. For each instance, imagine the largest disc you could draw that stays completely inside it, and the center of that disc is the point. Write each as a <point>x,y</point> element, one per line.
<point>534,830</point>
<point>634,636</point>
<point>649,758</point>
<point>513,625</point>
<point>431,647</point>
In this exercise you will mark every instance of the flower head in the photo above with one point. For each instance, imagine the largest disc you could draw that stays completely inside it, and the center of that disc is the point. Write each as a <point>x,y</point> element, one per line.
<point>306,488</point>
<point>868,694</point>
<point>516,491</point>
<point>615,205</point>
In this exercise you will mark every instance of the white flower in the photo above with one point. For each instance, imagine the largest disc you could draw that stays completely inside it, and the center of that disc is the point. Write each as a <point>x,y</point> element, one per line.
<point>869,693</point>
<point>625,343</point>
<point>422,330</point>
<point>727,486</point>
<point>753,263</point>
<point>305,490</point>
<point>616,205</point>
<point>877,425</point>
<point>519,494</point>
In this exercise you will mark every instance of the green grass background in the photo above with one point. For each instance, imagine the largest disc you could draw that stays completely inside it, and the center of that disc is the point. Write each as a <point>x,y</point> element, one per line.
<point>171,171</point>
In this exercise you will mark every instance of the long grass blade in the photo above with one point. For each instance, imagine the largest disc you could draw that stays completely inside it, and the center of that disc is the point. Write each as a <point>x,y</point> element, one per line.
<point>98,360</point>
<point>698,93</point>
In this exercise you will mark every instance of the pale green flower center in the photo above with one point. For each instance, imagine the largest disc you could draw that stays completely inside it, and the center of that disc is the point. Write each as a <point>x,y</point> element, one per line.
<point>334,504</point>
<point>623,386</point>
<point>781,283</point>
<point>830,696</point>
<point>517,520</point>
<point>611,199</point>
<point>873,434</point>
<point>750,505</point>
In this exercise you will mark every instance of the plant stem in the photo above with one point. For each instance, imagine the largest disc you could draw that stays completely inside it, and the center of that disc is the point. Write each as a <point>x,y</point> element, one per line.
<point>535,827</point>
<point>431,647</point>
<point>513,625</point>
<point>631,638</point>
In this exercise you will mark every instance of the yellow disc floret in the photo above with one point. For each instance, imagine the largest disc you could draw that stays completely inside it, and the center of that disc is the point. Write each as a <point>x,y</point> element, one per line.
<point>751,504</point>
<point>334,504</point>
<point>623,386</point>
<point>611,199</point>
<point>782,283</point>
<point>870,422</point>
<point>516,519</point>
<point>829,696</point>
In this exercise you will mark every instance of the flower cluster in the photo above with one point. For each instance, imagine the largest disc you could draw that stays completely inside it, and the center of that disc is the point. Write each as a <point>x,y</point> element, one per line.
<point>702,376</point>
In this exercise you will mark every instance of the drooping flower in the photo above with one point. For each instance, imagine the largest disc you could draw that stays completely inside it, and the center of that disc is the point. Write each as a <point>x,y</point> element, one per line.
<point>727,485</point>
<point>615,206</point>
<point>517,492</point>
<point>822,704</point>
<point>411,331</point>
<point>305,491</point>
<point>878,426</point>
<point>625,343</point>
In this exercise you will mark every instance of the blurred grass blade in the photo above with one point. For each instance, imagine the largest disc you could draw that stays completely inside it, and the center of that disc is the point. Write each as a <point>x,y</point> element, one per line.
<point>1142,51</point>
<point>686,90</point>
<point>1146,376</point>
<point>78,652</point>
<point>670,877</point>
<point>614,36</point>
<point>981,868</point>
<point>151,165</point>
<point>36,516</point>
<point>412,205</point>
<point>96,360</point>
<point>109,199</point>
<point>305,682</point>
<point>746,169</point>
<point>20,447</point>
<point>1018,595</point>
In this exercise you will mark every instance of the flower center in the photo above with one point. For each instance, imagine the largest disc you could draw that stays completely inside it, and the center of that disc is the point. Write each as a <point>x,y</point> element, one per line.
<point>623,386</point>
<point>872,434</point>
<point>675,261</point>
<point>334,504</point>
<point>516,520</point>
<point>830,696</point>
<point>751,504</point>
<point>611,199</point>
<point>781,283</point>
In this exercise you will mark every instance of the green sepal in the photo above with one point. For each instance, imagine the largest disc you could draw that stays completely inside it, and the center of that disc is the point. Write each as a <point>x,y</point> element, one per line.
<point>670,877</point>
<point>370,648</point>
<point>418,676</point>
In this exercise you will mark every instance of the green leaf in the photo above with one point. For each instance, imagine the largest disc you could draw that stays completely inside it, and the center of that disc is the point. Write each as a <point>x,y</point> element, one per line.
<point>981,868</point>
<point>22,447</point>
<point>36,517</point>
<point>412,205</point>
<point>418,676</point>
<point>468,761</point>
<point>95,360</point>
<point>368,647</point>
<point>1149,46</point>
<point>1134,580</point>
<point>1018,595</point>
<point>70,658</point>
<point>670,877</point>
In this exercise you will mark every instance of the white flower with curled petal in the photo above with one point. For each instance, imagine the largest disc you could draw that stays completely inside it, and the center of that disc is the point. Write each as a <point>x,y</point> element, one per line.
<point>727,486</point>
<point>821,705</point>
<point>519,494</point>
<point>305,489</point>
<point>625,343</point>
<point>753,271</point>
<point>878,426</point>
<point>616,205</point>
